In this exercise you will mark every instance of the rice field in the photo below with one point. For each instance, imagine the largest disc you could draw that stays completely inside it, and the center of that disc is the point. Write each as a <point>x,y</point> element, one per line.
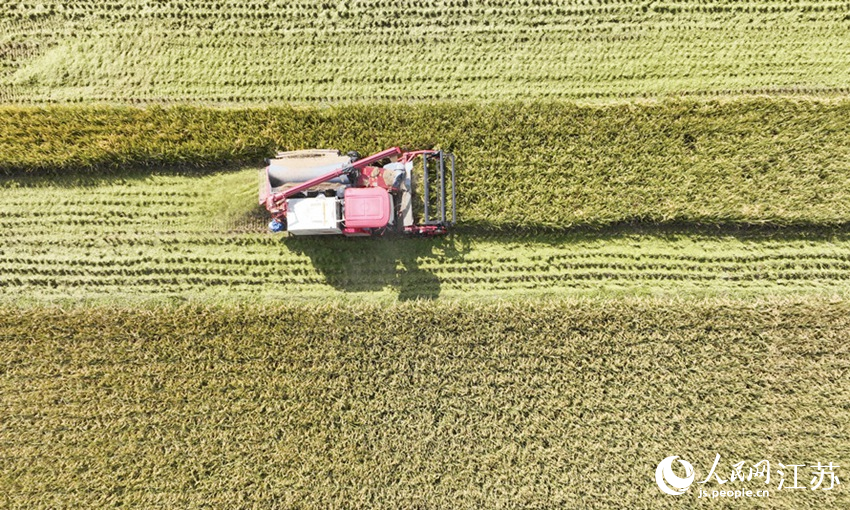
<point>653,256</point>
<point>203,237</point>
<point>692,198</point>
<point>528,166</point>
<point>237,51</point>
<point>442,404</point>
<point>418,405</point>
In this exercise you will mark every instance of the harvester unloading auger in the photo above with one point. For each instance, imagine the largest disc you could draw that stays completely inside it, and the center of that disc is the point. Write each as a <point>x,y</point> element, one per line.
<point>314,192</point>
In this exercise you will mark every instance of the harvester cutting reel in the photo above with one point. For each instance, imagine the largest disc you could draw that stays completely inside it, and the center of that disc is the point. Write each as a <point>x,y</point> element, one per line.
<point>318,192</point>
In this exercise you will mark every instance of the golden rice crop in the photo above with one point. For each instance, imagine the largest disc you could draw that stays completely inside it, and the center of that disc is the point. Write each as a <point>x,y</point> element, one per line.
<point>527,165</point>
<point>568,404</point>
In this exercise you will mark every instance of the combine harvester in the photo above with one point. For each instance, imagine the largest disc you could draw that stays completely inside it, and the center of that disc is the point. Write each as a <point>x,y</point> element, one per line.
<point>318,192</point>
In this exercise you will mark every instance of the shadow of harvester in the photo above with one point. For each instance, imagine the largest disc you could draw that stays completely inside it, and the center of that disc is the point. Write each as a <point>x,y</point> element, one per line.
<point>368,265</point>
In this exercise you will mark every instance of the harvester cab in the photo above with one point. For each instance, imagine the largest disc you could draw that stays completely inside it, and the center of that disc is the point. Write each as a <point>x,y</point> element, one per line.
<point>318,192</point>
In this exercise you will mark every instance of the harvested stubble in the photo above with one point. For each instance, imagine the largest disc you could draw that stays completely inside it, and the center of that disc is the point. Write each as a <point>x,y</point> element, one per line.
<point>239,51</point>
<point>203,237</point>
<point>441,406</point>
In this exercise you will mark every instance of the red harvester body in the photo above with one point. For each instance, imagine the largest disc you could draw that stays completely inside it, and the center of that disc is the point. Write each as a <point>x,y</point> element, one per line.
<point>317,192</point>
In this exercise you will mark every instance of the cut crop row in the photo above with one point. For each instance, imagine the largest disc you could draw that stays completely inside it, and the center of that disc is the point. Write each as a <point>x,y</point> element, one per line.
<point>240,284</point>
<point>249,52</point>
